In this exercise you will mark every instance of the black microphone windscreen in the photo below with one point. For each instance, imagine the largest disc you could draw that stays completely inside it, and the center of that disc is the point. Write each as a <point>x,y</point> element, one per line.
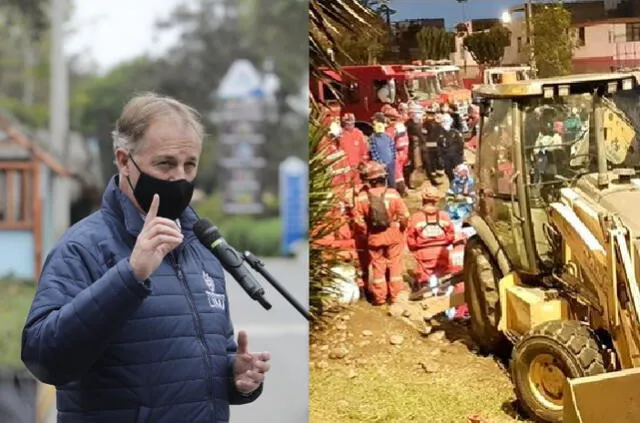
<point>206,232</point>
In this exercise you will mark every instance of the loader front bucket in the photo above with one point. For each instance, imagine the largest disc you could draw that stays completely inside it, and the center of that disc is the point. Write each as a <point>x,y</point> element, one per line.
<point>608,397</point>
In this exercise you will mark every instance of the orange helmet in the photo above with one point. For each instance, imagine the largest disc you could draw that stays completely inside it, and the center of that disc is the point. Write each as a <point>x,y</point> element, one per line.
<point>348,118</point>
<point>374,170</point>
<point>431,194</point>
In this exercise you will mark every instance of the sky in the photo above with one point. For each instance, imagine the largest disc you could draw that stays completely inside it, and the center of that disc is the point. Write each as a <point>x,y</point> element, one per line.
<point>107,33</point>
<point>451,10</point>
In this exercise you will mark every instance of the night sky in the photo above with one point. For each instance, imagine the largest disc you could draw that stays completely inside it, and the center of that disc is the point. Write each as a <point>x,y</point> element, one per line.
<point>451,10</point>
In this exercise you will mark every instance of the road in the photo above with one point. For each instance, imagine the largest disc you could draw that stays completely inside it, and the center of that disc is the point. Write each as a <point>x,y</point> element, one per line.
<point>282,331</point>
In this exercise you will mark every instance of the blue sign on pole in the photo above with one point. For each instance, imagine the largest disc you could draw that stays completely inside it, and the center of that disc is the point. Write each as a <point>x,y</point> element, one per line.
<point>293,203</point>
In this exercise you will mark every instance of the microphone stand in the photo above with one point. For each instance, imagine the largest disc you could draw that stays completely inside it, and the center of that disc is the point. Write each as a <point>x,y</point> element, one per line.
<point>259,267</point>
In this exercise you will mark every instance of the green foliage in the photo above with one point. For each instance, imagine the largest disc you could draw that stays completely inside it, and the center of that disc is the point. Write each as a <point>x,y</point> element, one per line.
<point>328,18</point>
<point>15,301</point>
<point>435,43</point>
<point>262,236</point>
<point>36,115</point>
<point>553,42</point>
<point>366,49</point>
<point>321,259</point>
<point>487,47</point>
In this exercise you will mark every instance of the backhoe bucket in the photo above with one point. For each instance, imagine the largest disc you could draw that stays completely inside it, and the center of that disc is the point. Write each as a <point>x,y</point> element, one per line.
<point>608,397</point>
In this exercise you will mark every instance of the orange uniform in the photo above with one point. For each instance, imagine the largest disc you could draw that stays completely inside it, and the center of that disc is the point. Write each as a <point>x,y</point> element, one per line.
<point>385,247</point>
<point>429,233</point>
<point>337,160</point>
<point>360,238</point>
<point>354,144</point>
<point>341,239</point>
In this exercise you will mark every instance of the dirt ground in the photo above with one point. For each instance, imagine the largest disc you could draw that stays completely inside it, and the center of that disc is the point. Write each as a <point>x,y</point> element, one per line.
<point>370,366</point>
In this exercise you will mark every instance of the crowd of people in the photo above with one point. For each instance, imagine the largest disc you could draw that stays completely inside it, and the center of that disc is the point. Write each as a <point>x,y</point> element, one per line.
<point>371,179</point>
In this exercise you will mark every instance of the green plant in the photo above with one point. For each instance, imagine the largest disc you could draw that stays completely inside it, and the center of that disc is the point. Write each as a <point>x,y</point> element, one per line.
<point>435,43</point>
<point>553,42</point>
<point>487,47</point>
<point>260,236</point>
<point>15,301</point>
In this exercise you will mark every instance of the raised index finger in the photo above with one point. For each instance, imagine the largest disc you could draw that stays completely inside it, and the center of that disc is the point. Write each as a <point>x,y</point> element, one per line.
<point>153,209</point>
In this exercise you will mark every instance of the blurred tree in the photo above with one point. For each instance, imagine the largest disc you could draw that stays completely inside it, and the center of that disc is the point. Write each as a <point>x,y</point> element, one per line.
<point>435,43</point>
<point>327,20</point>
<point>487,47</point>
<point>553,41</point>
<point>96,101</point>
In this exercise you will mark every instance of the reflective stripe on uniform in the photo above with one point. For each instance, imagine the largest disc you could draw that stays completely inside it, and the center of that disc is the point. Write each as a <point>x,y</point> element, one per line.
<point>336,155</point>
<point>379,281</point>
<point>396,279</point>
<point>431,144</point>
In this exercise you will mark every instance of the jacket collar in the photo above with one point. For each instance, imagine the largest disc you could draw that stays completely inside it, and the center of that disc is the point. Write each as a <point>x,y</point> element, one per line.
<point>116,203</point>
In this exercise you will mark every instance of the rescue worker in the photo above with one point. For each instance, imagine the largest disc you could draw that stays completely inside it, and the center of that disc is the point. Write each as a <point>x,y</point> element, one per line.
<point>403,111</point>
<point>433,129</point>
<point>341,239</point>
<point>381,212</point>
<point>450,146</point>
<point>429,234</point>
<point>417,143</point>
<point>398,131</point>
<point>461,195</point>
<point>336,159</point>
<point>360,235</point>
<point>382,148</point>
<point>354,144</point>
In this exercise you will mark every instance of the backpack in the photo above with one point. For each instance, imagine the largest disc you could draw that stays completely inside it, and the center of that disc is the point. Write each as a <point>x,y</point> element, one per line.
<point>378,215</point>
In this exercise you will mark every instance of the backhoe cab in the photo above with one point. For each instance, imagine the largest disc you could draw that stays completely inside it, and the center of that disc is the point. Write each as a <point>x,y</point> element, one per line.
<point>551,275</point>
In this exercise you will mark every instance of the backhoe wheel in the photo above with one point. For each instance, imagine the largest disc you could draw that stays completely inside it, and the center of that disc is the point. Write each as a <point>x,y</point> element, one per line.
<point>481,293</point>
<point>544,358</point>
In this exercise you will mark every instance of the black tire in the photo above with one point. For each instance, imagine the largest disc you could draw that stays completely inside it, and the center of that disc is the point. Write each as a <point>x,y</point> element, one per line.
<point>481,293</point>
<point>569,350</point>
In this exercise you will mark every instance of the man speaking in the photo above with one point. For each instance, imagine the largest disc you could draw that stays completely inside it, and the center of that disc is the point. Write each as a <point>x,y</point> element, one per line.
<point>131,320</point>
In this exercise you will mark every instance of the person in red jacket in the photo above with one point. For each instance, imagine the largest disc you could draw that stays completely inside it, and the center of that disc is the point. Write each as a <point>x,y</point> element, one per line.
<point>429,233</point>
<point>354,144</point>
<point>359,233</point>
<point>381,212</point>
<point>398,131</point>
<point>335,158</point>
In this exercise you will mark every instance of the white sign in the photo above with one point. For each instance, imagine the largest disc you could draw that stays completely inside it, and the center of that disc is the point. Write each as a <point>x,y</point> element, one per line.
<point>241,81</point>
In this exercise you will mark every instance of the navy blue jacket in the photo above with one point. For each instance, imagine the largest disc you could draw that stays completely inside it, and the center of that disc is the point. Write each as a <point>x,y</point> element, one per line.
<point>382,148</point>
<point>119,351</point>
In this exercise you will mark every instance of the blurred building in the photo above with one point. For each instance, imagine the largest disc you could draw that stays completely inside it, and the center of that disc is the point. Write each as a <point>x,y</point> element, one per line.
<point>27,174</point>
<point>607,35</point>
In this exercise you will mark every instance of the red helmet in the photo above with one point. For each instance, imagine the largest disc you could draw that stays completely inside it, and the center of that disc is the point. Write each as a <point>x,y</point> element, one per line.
<point>431,194</point>
<point>374,170</point>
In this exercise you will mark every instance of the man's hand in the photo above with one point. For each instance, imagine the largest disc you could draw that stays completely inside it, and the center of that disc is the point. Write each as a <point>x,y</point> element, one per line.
<point>249,368</point>
<point>158,237</point>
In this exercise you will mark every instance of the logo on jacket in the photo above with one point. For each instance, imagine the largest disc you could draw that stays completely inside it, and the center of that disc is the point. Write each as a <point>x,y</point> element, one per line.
<point>216,301</point>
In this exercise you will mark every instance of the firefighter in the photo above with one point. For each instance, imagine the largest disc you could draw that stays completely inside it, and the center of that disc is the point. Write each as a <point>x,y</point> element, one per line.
<point>403,111</point>
<point>381,212</point>
<point>342,238</point>
<point>433,129</point>
<point>354,144</point>
<point>398,131</point>
<point>360,235</point>
<point>382,148</point>
<point>450,146</point>
<point>336,159</point>
<point>461,196</point>
<point>429,234</point>
<point>417,140</point>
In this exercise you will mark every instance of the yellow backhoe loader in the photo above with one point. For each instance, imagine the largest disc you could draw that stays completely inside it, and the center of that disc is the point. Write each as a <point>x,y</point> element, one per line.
<point>551,276</point>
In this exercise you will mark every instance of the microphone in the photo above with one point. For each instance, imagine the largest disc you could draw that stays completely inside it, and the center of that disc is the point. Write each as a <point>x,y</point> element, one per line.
<point>231,260</point>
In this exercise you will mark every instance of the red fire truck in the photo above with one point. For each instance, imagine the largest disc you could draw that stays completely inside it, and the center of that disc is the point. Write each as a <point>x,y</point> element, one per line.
<point>365,89</point>
<point>449,84</point>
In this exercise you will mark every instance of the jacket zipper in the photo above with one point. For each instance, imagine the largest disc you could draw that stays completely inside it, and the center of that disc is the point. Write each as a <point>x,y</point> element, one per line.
<point>200,332</point>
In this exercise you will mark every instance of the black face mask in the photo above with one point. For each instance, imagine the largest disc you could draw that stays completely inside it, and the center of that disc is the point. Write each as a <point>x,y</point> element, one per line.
<point>175,196</point>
